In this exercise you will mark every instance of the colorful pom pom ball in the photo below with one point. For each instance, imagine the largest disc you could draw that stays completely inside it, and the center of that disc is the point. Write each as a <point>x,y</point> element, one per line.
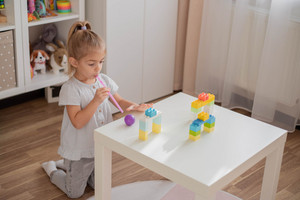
<point>129,120</point>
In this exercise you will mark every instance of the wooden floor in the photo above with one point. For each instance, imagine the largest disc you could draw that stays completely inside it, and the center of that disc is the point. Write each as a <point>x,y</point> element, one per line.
<point>29,136</point>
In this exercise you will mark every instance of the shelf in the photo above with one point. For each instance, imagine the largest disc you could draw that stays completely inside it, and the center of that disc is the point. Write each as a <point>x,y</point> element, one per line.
<point>38,82</point>
<point>11,92</point>
<point>24,31</point>
<point>58,18</point>
<point>46,80</point>
<point>6,27</point>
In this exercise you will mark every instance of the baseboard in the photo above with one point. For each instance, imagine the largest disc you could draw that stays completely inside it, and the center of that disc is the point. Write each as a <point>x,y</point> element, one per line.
<point>11,101</point>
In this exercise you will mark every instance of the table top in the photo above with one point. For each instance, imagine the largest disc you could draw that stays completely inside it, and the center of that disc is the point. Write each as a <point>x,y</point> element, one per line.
<point>215,156</point>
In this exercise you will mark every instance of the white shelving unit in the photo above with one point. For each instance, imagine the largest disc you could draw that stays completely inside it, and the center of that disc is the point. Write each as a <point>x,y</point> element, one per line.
<point>25,32</point>
<point>6,26</point>
<point>12,12</point>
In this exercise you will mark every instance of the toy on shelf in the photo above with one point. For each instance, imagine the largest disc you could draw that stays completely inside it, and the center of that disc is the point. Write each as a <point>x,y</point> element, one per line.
<point>32,16</point>
<point>203,108</point>
<point>47,3</point>
<point>58,57</point>
<point>150,114</point>
<point>50,13</point>
<point>31,6</point>
<point>2,4</point>
<point>48,35</point>
<point>129,120</point>
<point>51,3</point>
<point>55,4</point>
<point>32,13</point>
<point>63,7</point>
<point>38,61</point>
<point>40,8</point>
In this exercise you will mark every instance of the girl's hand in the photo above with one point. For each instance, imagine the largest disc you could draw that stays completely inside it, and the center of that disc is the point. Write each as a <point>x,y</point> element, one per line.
<point>101,94</point>
<point>141,107</point>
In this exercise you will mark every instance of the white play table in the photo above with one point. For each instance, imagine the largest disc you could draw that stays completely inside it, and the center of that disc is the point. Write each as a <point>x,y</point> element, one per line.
<point>204,166</point>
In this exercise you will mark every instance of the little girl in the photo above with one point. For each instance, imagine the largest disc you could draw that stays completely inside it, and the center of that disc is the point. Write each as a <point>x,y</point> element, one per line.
<point>87,107</point>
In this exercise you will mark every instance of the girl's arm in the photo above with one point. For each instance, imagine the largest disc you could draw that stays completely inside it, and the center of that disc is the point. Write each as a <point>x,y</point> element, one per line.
<point>128,105</point>
<point>80,117</point>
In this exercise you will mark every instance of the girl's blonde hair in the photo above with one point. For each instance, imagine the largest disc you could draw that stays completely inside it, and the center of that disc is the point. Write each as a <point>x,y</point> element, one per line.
<point>81,39</point>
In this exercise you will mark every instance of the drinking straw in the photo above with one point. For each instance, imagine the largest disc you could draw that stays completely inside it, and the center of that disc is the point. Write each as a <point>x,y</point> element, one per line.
<point>111,96</point>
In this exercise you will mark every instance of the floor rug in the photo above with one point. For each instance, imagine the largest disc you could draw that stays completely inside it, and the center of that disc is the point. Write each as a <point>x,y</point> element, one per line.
<point>144,190</point>
<point>158,190</point>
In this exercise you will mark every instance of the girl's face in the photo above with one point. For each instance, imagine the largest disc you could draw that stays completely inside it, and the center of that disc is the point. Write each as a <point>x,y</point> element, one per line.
<point>88,67</point>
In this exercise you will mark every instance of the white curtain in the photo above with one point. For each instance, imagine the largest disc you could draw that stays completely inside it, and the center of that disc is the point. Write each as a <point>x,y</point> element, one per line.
<point>249,57</point>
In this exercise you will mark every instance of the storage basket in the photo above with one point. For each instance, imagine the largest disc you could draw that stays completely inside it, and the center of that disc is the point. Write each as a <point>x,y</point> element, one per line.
<point>7,61</point>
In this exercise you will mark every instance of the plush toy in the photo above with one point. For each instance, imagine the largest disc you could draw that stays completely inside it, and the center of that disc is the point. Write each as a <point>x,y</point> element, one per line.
<point>38,61</point>
<point>58,58</point>
<point>48,35</point>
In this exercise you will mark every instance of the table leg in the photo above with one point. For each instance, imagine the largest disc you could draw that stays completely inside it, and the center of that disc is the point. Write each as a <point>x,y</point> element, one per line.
<point>103,160</point>
<point>271,174</point>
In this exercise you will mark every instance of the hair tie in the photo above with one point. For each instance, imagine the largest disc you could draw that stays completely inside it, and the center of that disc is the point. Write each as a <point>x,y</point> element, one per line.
<point>83,28</point>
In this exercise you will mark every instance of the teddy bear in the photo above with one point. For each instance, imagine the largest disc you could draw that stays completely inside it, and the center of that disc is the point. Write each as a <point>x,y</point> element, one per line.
<point>58,58</point>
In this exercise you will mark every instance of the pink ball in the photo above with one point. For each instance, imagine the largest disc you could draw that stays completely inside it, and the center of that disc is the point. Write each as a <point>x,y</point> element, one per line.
<point>129,120</point>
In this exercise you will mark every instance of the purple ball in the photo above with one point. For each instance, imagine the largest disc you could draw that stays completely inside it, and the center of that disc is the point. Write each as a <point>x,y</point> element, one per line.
<point>129,120</point>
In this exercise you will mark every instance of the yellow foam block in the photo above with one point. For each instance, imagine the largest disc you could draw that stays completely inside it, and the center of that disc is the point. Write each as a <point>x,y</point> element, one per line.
<point>208,130</point>
<point>198,104</point>
<point>194,138</point>
<point>156,128</point>
<point>143,135</point>
<point>203,116</point>
<point>211,98</point>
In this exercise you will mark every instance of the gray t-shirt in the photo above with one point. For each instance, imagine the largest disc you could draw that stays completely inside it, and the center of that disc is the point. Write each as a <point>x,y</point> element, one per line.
<point>79,143</point>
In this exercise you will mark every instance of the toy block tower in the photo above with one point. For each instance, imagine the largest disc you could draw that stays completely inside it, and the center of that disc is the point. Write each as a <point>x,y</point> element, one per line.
<point>150,114</point>
<point>203,108</point>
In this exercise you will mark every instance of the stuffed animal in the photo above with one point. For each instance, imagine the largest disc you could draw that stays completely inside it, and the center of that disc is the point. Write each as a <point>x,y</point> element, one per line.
<point>58,58</point>
<point>38,61</point>
<point>48,35</point>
